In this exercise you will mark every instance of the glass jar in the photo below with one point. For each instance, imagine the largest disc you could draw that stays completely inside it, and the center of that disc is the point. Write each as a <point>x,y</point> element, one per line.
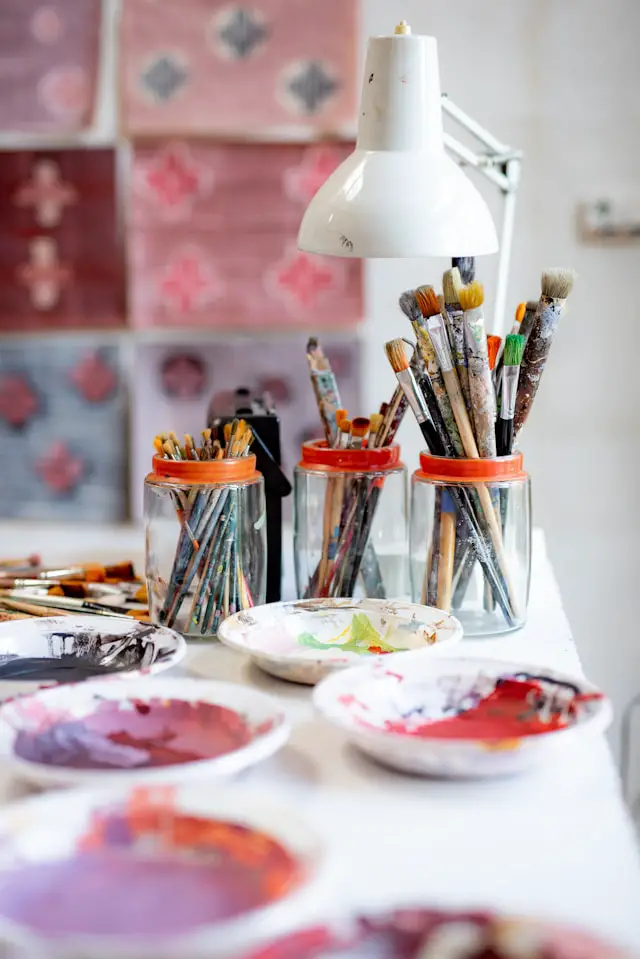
<point>205,542</point>
<point>470,541</point>
<point>350,523</point>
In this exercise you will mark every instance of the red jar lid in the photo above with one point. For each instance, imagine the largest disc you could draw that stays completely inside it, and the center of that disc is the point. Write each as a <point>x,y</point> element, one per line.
<point>316,455</point>
<point>240,470</point>
<point>449,469</point>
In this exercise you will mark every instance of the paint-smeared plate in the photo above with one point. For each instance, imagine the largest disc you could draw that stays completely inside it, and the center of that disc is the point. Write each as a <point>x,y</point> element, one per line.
<point>151,872</point>
<point>304,641</point>
<point>421,933</point>
<point>461,717</point>
<point>114,731</point>
<point>62,649</point>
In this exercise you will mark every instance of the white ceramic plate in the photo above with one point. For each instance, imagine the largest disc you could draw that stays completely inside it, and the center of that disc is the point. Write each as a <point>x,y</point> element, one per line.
<point>306,640</point>
<point>433,716</point>
<point>63,891</point>
<point>83,641</point>
<point>114,731</point>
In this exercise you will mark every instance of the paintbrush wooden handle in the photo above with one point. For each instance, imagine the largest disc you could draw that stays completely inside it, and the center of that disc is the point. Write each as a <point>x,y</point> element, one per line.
<point>483,404</point>
<point>447,552</point>
<point>535,357</point>
<point>460,412</point>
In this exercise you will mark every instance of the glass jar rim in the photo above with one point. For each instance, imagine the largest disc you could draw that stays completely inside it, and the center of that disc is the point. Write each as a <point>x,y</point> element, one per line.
<point>316,455</point>
<point>450,469</point>
<point>239,470</point>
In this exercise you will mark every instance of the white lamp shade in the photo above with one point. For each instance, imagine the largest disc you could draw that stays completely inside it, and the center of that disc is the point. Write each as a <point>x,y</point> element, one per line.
<point>399,194</point>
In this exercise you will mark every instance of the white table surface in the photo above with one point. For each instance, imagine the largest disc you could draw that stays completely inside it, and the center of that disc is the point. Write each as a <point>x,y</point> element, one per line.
<point>556,843</point>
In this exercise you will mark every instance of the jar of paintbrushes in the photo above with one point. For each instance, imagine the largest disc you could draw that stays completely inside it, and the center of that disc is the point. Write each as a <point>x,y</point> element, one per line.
<point>205,531</point>
<point>350,521</point>
<point>470,540</point>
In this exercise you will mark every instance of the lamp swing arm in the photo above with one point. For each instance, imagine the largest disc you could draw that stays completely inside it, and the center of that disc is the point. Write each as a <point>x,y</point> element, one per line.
<point>501,166</point>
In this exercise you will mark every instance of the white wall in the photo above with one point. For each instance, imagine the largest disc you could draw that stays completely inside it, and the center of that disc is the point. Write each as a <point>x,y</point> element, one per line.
<point>560,80</point>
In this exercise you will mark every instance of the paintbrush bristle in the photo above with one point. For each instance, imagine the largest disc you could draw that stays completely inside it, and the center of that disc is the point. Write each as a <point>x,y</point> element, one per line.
<point>557,282</point>
<point>409,306</point>
<point>467,267</point>
<point>451,284</point>
<point>514,349</point>
<point>520,312</point>
<point>360,426</point>
<point>472,296</point>
<point>427,300</point>
<point>345,426</point>
<point>532,306</point>
<point>375,422</point>
<point>341,414</point>
<point>493,348</point>
<point>396,355</point>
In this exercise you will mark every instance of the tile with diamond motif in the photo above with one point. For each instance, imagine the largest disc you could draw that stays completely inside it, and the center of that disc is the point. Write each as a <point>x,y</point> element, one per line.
<point>60,261</point>
<point>62,430</point>
<point>213,239</point>
<point>268,69</point>
<point>48,64</point>
<point>175,385</point>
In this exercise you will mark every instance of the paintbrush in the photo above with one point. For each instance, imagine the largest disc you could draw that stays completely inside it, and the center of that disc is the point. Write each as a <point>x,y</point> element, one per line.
<point>513,352</point>
<point>451,284</point>
<point>416,305</point>
<point>557,284</point>
<point>483,398</point>
<point>493,349</point>
<point>396,354</point>
<point>515,330</point>
<point>325,388</point>
<point>359,429</point>
<point>467,267</point>
<point>527,321</point>
<point>446,551</point>
<point>65,602</point>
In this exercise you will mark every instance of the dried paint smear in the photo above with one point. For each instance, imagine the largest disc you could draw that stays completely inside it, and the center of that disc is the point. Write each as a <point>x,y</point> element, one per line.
<point>135,734</point>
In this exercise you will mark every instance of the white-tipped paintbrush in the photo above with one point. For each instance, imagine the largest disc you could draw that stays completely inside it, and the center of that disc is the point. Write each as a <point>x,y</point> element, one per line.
<point>451,285</point>
<point>397,356</point>
<point>557,284</point>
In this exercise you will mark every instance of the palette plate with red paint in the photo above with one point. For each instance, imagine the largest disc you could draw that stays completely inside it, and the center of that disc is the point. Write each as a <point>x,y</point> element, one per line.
<point>435,934</point>
<point>155,871</point>
<point>115,731</point>
<point>461,717</point>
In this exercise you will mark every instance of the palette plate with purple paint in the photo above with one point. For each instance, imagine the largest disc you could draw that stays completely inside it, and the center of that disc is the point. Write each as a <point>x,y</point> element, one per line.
<point>461,717</point>
<point>435,934</point>
<point>116,731</point>
<point>152,872</point>
<point>67,649</point>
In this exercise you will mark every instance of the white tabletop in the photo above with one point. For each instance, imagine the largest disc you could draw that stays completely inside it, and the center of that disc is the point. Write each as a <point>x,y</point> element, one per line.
<point>556,843</point>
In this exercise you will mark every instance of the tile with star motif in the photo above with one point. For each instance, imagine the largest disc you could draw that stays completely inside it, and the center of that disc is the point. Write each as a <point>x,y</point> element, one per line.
<point>267,70</point>
<point>48,64</point>
<point>60,261</point>
<point>175,385</point>
<point>213,231</point>
<point>63,430</point>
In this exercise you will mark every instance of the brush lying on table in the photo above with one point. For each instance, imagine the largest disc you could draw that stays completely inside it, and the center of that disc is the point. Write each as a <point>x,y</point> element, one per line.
<point>350,502</point>
<point>31,589</point>
<point>207,582</point>
<point>455,404</point>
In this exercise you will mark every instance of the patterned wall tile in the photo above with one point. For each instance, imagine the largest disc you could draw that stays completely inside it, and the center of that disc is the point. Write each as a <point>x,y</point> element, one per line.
<point>213,239</point>
<point>174,386</point>
<point>229,68</point>
<point>62,430</point>
<point>48,64</point>
<point>60,262</point>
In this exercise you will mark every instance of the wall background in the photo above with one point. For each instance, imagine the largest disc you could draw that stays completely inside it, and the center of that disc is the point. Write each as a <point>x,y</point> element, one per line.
<point>559,79</point>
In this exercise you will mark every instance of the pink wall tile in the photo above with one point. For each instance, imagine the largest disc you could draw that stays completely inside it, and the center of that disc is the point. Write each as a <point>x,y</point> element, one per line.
<point>60,264</point>
<point>48,64</point>
<point>213,239</point>
<point>214,66</point>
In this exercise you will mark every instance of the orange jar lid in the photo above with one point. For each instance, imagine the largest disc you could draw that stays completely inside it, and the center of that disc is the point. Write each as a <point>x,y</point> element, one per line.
<point>240,470</point>
<point>316,455</point>
<point>449,469</point>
